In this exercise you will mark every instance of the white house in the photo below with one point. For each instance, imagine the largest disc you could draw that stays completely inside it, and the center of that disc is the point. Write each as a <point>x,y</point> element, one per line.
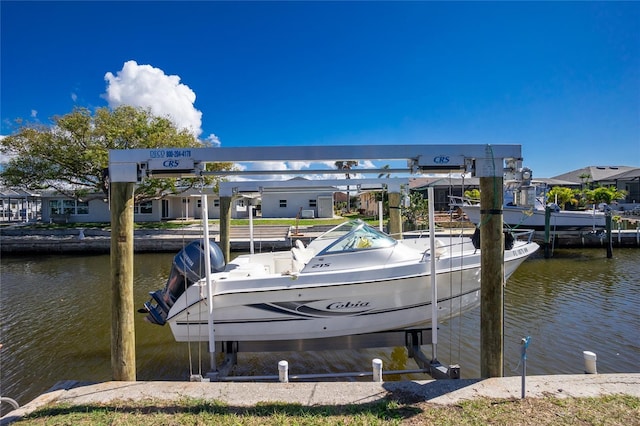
<point>95,208</point>
<point>18,205</point>
<point>286,198</point>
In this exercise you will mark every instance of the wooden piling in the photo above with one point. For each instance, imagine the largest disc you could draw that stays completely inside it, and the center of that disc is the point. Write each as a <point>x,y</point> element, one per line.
<point>123,341</point>
<point>547,232</point>
<point>395,215</point>
<point>492,276</point>
<point>225,227</point>
<point>609,242</point>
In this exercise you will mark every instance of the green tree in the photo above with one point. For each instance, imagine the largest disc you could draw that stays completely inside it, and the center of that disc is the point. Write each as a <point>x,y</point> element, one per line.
<point>604,194</point>
<point>584,178</point>
<point>418,210</point>
<point>472,194</point>
<point>563,195</point>
<point>71,156</point>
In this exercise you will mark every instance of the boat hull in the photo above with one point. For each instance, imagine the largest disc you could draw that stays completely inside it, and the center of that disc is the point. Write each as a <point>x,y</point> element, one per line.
<point>535,219</point>
<point>357,302</point>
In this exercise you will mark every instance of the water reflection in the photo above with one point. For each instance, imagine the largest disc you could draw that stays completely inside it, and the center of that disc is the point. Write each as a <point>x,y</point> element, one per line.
<point>55,318</point>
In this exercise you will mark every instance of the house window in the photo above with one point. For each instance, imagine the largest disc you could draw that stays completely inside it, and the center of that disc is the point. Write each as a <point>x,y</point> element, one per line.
<point>199,204</point>
<point>55,207</point>
<point>312,203</point>
<point>241,203</point>
<point>82,207</point>
<point>283,203</point>
<point>143,208</point>
<point>68,207</point>
<point>216,203</point>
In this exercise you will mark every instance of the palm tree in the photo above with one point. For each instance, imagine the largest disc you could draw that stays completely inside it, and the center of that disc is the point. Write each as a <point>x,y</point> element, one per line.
<point>347,165</point>
<point>584,178</point>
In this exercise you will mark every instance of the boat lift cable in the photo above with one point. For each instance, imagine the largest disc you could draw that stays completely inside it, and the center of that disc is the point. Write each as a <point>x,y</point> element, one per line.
<point>460,235</point>
<point>184,280</point>
<point>209,282</point>
<point>433,276</point>
<point>201,273</point>
<point>450,271</point>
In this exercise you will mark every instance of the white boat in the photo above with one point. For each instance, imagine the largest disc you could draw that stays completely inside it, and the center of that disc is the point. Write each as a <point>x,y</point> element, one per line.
<point>350,280</point>
<point>525,205</point>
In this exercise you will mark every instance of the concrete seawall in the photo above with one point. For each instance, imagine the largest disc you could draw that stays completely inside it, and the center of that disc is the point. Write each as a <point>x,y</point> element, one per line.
<point>57,241</point>
<point>332,393</point>
<point>22,240</point>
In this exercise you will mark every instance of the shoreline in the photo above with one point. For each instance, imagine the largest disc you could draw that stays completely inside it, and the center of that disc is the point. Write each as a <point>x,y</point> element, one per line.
<point>24,241</point>
<point>440,392</point>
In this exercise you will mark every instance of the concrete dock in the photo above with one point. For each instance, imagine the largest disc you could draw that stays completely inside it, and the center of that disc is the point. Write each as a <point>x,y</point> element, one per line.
<point>24,240</point>
<point>237,394</point>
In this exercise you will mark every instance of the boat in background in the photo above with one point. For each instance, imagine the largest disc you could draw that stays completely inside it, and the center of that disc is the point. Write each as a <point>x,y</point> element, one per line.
<point>351,280</point>
<point>524,207</point>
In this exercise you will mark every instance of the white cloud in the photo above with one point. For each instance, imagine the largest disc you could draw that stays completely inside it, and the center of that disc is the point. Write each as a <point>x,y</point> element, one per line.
<point>34,113</point>
<point>214,141</point>
<point>149,87</point>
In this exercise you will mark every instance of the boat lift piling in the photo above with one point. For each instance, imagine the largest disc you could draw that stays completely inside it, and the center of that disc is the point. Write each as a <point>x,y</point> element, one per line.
<point>547,232</point>
<point>129,166</point>
<point>609,242</point>
<point>491,278</point>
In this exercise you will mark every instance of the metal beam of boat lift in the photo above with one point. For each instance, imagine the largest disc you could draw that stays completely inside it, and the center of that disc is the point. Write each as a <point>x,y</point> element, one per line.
<point>493,161</point>
<point>129,165</point>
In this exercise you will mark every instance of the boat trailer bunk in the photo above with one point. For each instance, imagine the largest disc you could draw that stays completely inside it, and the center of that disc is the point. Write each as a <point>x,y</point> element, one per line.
<point>412,339</point>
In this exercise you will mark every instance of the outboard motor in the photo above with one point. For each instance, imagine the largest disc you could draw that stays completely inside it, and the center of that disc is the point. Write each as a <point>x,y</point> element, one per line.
<point>188,268</point>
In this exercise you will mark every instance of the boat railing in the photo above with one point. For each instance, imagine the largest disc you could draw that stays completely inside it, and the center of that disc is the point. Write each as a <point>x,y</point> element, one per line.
<point>457,201</point>
<point>522,234</point>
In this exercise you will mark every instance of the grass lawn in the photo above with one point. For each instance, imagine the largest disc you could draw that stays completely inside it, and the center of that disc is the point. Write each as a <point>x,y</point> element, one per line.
<point>605,410</point>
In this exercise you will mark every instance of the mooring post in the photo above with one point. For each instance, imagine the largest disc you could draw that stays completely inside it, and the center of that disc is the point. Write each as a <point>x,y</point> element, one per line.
<point>607,218</point>
<point>283,371</point>
<point>491,276</point>
<point>225,227</point>
<point>123,341</point>
<point>547,238</point>
<point>376,365</point>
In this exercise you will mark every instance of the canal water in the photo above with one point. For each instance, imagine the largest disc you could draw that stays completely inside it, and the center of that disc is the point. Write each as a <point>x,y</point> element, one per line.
<point>55,318</point>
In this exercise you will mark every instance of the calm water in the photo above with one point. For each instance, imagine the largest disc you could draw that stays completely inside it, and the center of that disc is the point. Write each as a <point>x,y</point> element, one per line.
<point>55,324</point>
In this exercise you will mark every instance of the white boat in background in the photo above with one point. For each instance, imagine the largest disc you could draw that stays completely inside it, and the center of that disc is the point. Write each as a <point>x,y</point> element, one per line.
<point>351,280</point>
<point>525,205</point>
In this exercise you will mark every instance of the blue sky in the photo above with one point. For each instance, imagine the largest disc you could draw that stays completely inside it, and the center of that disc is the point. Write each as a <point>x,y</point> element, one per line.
<point>562,79</point>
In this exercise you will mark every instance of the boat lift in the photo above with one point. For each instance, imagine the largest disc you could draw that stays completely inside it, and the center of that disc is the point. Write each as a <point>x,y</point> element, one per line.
<point>130,166</point>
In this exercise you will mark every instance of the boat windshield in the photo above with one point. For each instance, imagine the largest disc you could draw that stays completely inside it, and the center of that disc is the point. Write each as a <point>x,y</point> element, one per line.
<point>355,235</point>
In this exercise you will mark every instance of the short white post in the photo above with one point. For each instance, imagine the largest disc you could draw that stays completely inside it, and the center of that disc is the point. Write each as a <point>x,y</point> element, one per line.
<point>283,372</point>
<point>81,234</point>
<point>590,362</point>
<point>377,370</point>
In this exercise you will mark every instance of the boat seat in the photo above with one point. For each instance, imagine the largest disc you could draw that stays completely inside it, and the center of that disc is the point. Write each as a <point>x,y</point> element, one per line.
<point>441,249</point>
<point>301,255</point>
<point>248,270</point>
